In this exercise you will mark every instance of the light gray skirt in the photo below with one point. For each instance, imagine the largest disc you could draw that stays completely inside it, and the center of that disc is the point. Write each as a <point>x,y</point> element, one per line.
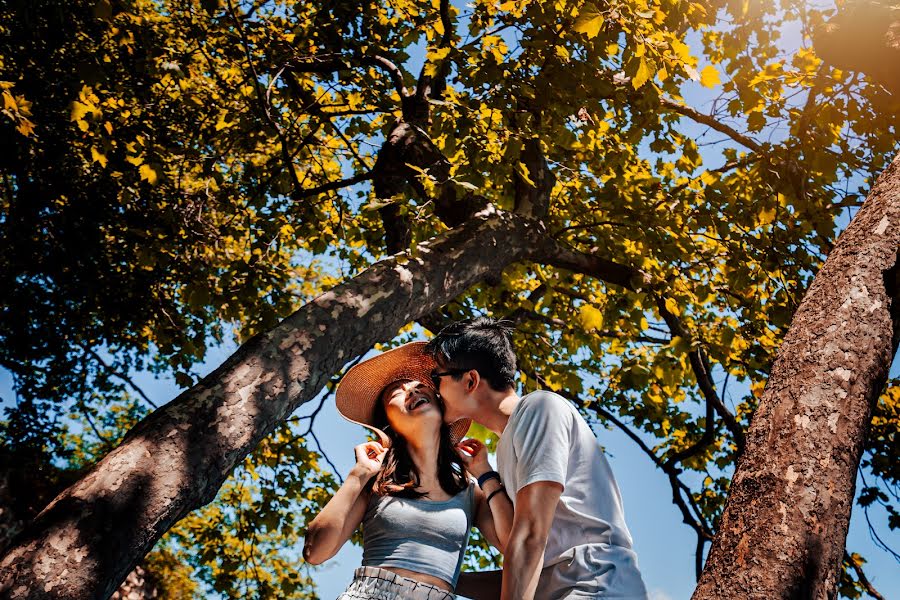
<point>372,583</point>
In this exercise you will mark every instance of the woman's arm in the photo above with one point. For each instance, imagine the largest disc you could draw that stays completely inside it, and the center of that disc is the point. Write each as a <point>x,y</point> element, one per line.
<point>494,519</point>
<point>334,525</point>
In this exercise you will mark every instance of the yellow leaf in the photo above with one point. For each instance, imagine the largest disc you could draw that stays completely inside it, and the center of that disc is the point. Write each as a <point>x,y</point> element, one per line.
<point>439,27</point>
<point>682,50</point>
<point>766,216</point>
<point>589,21</point>
<point>709,77</point>
<point>97,156</point>
<point>148,174</point>
<point>9,102</point>
<point>524,174</point>
<point>25,127</point>
<point>708,178</point>
<point>78,110</point>
<point>672,307</point>
<point>642,75</point>
<point>590,317</point>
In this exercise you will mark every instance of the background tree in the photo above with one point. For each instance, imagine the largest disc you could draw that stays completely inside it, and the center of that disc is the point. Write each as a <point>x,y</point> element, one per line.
<point>182,168</point>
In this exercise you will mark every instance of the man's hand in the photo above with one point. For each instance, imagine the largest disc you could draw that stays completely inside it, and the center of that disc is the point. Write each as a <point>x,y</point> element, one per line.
<point>524,557</point>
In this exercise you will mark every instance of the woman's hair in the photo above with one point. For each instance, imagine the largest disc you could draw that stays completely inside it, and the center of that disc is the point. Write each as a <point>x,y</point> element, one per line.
<point>400,477</point>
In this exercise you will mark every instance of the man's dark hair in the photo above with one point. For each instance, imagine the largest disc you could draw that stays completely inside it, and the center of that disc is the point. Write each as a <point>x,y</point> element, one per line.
<point>482,344</point>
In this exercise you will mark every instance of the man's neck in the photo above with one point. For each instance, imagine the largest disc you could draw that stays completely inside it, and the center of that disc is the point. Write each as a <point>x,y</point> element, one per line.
<point>496,407</point>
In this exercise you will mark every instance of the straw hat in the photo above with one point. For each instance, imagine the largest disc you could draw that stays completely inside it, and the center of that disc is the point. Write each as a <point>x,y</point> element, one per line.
<point>361,386</point>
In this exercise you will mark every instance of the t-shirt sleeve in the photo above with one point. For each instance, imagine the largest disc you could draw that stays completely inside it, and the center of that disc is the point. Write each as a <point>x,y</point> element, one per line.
<point>542,440</point>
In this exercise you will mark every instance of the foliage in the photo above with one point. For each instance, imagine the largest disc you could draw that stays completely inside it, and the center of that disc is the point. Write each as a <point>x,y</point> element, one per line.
<point>178,168</point>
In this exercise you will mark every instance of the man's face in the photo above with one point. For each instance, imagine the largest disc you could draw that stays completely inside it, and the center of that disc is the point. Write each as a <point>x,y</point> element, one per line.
<point>452,391</point>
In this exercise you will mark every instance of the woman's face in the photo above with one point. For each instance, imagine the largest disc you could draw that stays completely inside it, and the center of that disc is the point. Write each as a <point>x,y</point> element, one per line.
<point>412,408</point>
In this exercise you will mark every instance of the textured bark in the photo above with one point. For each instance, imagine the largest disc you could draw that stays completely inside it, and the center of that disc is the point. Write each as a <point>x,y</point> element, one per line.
<point>93,534</point>
<point>137,586</point>
<point>783,531</point>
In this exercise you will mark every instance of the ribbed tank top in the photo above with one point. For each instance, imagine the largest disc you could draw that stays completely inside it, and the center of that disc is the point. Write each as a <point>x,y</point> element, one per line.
<point>424,536</point>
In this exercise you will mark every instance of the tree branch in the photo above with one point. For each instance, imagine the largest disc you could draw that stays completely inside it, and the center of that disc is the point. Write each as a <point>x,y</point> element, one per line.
<point>861,576</point>
<point>429,83</point>
<point>330,63</point>
<point>119,375</point>
<point>556,254</point>
<point>331,186</point>
<point>700,366</point>
<point>713,123</point>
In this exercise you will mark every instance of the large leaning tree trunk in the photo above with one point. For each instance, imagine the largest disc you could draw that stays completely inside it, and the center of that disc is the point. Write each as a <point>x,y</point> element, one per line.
<point>93,534</point>
<point>785,523</point>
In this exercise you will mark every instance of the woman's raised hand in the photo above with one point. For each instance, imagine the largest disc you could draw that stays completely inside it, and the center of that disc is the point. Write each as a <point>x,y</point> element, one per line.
<point>369,457</point>
<point>474,457</point>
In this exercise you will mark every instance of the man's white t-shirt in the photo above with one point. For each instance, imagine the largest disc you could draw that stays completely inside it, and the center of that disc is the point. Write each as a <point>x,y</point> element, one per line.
<point>588,553</point>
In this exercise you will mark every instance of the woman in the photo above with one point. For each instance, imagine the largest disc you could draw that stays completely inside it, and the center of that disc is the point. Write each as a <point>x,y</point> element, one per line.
<point>409,491</point>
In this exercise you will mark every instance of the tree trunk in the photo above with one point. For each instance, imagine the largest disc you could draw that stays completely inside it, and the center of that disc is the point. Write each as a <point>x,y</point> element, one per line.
<point>93,534</point>
<point>785,523</point>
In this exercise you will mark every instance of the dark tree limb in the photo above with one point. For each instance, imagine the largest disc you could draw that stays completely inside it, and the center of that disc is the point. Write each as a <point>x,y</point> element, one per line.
<point>712,123</point>
<point>332,186</point>
<point>532,197</point>
<point>432,86</point>
<point>557,254</point>
<point>263,99</point>
<point>861,576</point>
<point>702,371</point>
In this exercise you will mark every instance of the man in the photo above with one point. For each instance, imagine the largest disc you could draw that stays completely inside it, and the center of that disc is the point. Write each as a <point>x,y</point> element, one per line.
<point>568,538</point>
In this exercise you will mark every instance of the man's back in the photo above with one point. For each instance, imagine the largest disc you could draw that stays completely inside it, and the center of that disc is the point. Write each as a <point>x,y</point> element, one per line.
<point>589,549</point>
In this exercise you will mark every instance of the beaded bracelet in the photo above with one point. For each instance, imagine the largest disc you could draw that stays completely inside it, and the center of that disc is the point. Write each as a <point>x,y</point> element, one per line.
<point>495,492</point>
<point>487,477</point>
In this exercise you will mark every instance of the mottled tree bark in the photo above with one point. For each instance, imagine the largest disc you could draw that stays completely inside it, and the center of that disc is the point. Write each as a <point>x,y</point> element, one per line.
<point>93,534</point>
<point>785,523</point>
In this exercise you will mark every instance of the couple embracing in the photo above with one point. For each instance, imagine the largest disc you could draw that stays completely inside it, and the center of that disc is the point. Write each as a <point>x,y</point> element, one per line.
<point>553,509</point>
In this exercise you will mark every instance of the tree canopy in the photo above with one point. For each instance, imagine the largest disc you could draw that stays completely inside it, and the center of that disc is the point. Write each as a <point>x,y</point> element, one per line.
<point>178,172</point>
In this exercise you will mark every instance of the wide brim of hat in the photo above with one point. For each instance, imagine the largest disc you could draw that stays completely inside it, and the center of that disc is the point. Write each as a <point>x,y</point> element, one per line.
<point>361,386</point>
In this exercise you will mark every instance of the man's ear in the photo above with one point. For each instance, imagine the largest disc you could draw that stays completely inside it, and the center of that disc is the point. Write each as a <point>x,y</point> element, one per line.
<point>474,380</point>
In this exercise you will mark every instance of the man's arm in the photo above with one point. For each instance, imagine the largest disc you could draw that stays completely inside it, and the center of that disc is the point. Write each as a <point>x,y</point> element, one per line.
<point>524,557</point>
